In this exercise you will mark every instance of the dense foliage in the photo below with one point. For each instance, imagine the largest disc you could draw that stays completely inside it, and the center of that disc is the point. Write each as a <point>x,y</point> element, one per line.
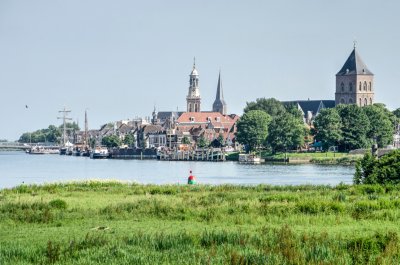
<point>129,139</point>
<point>352,127</point>
<point>285,130</point>
<point>328,128</point>
<point>114,223</point>
<point>51,134</point>
<point>252,129</point>
<point>111,141</point>
<point>385,170</point>
<point>271,106</point>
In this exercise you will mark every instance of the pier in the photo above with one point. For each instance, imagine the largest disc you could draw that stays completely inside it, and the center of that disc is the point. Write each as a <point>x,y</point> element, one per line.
<point>212,155</point>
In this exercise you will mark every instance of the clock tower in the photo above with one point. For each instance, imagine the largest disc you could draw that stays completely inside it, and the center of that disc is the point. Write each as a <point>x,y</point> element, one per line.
<point>193,98</point>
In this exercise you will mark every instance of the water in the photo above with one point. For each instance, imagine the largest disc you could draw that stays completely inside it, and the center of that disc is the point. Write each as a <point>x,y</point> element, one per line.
<point>17,168</point>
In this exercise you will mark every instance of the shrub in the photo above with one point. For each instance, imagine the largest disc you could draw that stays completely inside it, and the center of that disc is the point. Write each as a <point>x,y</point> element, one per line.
<point>58,204</point>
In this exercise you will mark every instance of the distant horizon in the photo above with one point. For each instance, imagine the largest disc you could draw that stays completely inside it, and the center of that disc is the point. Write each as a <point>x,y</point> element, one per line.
<point>119,60</point>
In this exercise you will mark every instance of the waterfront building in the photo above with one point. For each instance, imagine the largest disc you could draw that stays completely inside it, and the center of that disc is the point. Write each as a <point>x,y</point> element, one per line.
<point>354,82</point>
<point>310,108</point>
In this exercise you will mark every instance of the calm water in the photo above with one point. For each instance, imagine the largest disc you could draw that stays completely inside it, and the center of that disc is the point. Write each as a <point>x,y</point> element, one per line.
<point>17,168</point>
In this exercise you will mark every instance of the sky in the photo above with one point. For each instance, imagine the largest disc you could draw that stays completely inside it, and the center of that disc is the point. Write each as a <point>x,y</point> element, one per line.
<point>118,59</point>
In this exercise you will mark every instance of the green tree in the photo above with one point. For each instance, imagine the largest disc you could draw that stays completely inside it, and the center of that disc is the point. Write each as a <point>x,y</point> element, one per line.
<point>397,113</point>
<point>50,134</point>
<point>252,129</point>
<point>381,124</point>
<point>111,141</point>
<point>271,106</point>
<point>355,127</point>
<point>285,132</point>
<point>385,170</point>
<point>328,128</point>
<point>185,140</point>
<point>202,142</point>
<point>129,139</point>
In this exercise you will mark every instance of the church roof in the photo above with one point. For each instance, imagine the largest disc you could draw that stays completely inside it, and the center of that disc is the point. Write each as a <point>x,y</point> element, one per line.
<point>314,106</point>
<point>354,65</point>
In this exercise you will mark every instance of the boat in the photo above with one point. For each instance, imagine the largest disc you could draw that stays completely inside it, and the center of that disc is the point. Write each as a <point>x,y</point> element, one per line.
<point>99,153</point>
<point>41,150</point>
<point>250,159</point>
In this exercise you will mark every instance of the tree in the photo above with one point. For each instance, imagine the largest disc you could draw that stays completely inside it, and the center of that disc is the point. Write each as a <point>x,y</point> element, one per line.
<point>202,142</point>
<point>355,127</point>
<point>397,113</point>
<point>129,139</point>
<point>381,124</point>
<point>252,129</point>
<point>185,140</point>
<point>285,132</point>
<point>111,141</point>
<point>50,134</point>
<point>271,106</point>
<point>385,170</point>
<point>328,129</point>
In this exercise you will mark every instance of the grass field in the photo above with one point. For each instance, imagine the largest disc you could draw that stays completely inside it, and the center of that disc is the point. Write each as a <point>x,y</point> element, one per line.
<point>115,223</point>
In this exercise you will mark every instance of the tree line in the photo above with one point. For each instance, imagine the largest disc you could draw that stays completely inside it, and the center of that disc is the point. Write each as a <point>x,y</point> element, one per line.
<point>267,123</point>
<point>51,134</point>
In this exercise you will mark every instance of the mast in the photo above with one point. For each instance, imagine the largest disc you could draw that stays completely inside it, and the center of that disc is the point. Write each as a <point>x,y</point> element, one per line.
<point>86,129</point>
<point>64,118</point>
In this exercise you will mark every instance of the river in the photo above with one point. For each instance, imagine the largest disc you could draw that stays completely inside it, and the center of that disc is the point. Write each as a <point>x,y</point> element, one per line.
<point>17,168</point>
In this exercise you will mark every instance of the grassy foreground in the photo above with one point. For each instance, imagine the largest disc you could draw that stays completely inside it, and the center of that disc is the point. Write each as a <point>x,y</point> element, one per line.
<point>115,223</point>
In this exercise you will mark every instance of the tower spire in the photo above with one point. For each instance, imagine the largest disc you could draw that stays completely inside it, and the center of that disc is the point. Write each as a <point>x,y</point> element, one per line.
<point>219,104</point>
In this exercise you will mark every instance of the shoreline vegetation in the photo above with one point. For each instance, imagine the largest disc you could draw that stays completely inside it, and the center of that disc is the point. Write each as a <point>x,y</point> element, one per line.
<point>123,223</point>
<point>321,158</point>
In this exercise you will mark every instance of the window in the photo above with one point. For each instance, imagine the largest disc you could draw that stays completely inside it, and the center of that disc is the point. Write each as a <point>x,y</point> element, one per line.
<point>208,119</point>
<point>370,86</point>
<point>350,86</point>
<point>365,102</point>
<point>342,101</point>
<point>217,119</point>
<point>191,119</point>
<point>365,86</point>
<point>360,102</point>
<point>370,101</point>
<point>342,87</point>
<point>359,87</point>
<point>350,101</point>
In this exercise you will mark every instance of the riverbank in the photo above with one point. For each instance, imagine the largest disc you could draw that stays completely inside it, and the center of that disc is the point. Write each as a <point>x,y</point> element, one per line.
<point>326,158</point>
<point>115,223</point>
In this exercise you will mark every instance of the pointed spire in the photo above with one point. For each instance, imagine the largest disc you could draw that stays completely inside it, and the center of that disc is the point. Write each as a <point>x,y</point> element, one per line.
<point>194,62</point>
<point>219,104</point>
<point>354,65</point>
<point>220,93</point>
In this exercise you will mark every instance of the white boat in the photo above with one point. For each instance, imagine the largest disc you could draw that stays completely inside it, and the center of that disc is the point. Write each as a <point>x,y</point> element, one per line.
<point>250,159</point>
<point>99,153</point>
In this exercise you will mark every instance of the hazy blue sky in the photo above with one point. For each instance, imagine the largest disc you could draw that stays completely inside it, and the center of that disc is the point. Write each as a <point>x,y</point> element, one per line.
<point>119,58</point>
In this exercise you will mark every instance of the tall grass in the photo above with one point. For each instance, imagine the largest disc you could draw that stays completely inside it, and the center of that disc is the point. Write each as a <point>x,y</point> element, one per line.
<point>115,223</point>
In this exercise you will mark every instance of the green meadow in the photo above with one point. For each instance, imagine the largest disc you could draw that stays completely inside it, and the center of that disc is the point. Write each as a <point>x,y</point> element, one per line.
<point>122,223</point>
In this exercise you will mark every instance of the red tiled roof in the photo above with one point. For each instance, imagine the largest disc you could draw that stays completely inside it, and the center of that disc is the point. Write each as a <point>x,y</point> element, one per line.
<point>204,117</point>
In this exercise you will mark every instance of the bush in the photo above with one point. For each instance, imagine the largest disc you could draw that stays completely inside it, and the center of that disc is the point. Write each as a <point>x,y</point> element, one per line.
<point>58,204</point>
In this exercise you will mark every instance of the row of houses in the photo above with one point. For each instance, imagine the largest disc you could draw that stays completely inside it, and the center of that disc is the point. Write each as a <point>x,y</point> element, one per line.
<point>170,129</point>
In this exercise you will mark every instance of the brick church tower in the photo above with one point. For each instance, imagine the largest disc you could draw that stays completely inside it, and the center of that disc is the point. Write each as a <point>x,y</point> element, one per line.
<point>354,82</point>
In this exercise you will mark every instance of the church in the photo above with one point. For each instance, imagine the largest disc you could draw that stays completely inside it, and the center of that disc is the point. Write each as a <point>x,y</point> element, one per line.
<point>195,122</point>
<point>354,85</point>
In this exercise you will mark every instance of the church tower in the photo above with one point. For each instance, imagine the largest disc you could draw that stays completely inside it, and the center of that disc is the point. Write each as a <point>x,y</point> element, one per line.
<point>354,82</point>
<point>193,99</point>
<point>219,104</point>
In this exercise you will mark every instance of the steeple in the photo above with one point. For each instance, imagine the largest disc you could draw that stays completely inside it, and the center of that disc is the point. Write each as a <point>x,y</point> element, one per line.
<point>354,65</point>
<point>219,104</point>
<point>193,98</point>
<point>354,82</point>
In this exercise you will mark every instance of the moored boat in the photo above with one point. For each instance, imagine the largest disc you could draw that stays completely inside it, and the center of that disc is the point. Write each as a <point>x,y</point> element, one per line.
<point>99,153</point>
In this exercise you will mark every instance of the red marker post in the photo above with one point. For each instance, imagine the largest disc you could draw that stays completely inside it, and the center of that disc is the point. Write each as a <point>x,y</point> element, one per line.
<point>191,179</point>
